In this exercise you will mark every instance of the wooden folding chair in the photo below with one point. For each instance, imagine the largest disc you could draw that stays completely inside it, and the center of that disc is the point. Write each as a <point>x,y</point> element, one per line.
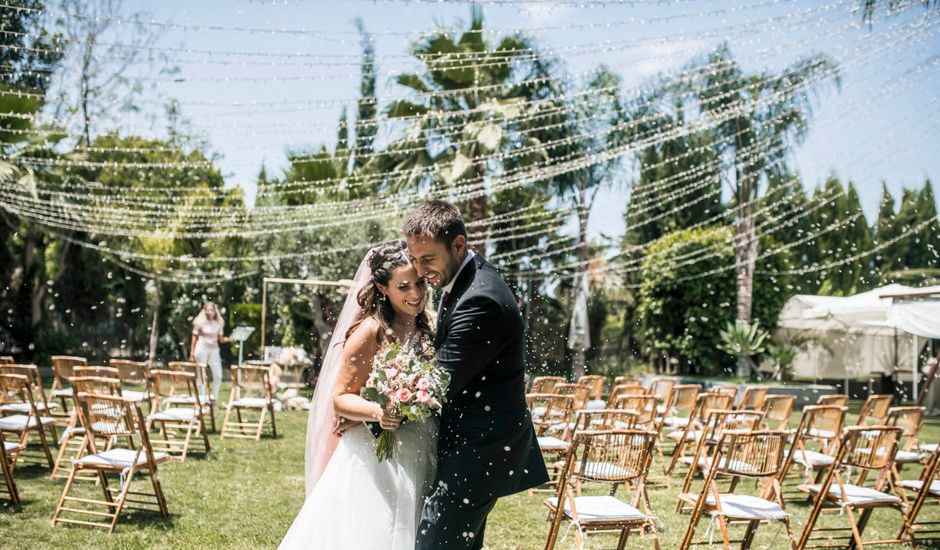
<point>16,389</point>
<point>875,410</point>
<point>96,371</point>
<point>9,450</point>
<point>689,434</point>
<point>868,448</point>
<point>72,445</point>
<point>108,418</point>
<point>595,394</point>
<point>837,399</point>
<point>38,391</point>
<point>580,393</point>
<point>251,392</point>
<point>645,411</point>
<point>633,380</point>
<point>62,366</point>
<point>777,410</point>
<point>678,409</point>
<point>814,441</point>
<point>753,398</point>
<point>135,381</point>
<point>180,416</point>
<point>620,390</point>
<point>928,479</point>
<point>545,384</point>
<point>717,423</point>
<point>551,417</point>
<point>615,457</point>
<point>661,388</point>
<point>725,389</point>
<point>201,372</point>
<point>740,455</point>
<point>910,420</point>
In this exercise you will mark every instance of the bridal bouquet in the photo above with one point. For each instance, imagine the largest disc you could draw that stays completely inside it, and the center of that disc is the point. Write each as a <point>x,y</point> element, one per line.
<point>404,383</point>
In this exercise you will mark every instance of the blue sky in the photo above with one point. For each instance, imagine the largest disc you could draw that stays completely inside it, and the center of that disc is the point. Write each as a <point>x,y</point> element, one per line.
<point>879,125</point>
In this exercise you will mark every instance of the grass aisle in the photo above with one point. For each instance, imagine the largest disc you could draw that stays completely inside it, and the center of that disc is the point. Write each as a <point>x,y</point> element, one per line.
<point>245,495</point>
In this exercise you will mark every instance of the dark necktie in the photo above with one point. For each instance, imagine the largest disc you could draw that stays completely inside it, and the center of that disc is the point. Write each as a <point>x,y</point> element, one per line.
<point>444,298</point>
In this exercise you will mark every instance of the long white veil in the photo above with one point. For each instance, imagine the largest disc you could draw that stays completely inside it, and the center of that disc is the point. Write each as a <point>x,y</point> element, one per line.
<point>321,442</point>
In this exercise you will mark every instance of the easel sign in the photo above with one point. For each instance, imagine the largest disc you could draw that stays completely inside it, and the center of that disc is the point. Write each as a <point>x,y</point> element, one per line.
<point>240,334</point>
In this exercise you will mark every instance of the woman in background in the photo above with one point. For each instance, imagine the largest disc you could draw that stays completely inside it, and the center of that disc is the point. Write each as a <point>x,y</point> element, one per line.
<point>208,327</point>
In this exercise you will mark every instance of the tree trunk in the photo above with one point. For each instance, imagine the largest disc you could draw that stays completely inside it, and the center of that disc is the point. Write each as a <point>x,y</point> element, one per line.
<point>155,324</point>
<point>745,364</point>
<point>579,360</point>
<point>745,260</point>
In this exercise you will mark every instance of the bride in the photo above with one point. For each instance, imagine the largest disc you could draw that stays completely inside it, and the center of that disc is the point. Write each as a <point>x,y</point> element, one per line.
<point>353,500</point>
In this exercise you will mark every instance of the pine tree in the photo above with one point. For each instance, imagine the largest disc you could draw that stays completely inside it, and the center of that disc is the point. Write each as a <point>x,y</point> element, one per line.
<point>927,206</point>
<point>885,229</point>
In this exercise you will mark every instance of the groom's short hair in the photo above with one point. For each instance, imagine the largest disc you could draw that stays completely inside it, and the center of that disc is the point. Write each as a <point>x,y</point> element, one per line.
<point>437,219</point>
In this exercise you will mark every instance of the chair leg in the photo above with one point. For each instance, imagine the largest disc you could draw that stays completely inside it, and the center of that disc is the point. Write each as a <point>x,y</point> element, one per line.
<point>624,534</point>
<point>273,423</point>
<point>856,534</point>
<point>749,534</point>
<point>65,493</point>
<point>228,413</point>
<point>260,424</point>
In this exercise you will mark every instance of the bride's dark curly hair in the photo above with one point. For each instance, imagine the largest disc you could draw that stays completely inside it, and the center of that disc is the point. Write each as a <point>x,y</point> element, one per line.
<point>384,259</point>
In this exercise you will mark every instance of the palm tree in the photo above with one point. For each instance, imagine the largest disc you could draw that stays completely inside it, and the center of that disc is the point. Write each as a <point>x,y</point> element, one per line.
<point>761,116</point>
<point>465,109</point>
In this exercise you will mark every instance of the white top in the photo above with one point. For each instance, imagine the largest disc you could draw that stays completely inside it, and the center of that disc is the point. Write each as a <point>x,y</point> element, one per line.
<point>450,286</point>
<point>207,333</point>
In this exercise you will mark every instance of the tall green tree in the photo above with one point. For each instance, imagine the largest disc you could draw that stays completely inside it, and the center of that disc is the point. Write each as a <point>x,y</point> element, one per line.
<point>463,111</point>
<point>761,116</point>
<point>840,239</point>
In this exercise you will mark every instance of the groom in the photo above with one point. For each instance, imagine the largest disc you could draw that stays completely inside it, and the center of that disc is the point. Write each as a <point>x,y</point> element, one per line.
<point>487,446</point>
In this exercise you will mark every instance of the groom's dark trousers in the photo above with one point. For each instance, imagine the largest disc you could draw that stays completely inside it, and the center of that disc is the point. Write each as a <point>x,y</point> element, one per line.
<point>487,446</point>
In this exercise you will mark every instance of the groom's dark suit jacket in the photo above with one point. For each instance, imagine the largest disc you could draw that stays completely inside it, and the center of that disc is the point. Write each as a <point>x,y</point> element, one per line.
<point>487,446</point>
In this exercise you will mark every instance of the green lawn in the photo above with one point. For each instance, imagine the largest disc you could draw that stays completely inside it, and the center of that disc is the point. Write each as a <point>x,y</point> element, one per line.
<point>245,494</point>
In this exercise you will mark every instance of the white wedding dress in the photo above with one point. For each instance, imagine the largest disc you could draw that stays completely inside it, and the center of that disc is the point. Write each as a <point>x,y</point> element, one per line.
<point>361,503</point>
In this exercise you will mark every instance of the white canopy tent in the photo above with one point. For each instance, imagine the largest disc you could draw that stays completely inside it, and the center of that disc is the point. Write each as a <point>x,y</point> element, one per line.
<point>876,332</point>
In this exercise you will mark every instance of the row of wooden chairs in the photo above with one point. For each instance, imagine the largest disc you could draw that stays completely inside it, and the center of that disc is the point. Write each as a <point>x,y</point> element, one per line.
<point>623,457</point>
<point>178,410</point>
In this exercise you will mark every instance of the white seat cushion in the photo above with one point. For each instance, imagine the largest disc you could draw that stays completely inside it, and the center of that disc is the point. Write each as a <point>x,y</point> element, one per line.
<point>595,404</point>
<point>561,426</point>
<point>855,494</point>
<point>604,508</point>
<point>10,447</point>
<point>824,434</point>
<point>907,457</point>
<point>251,402</point>
<point>600,469</point>
<point>118,458</point>
<point>745,507</point>
<point>24,408</point>
<point>705,461</point>
<point>538,412</point>
<point>19,422</point>
<point>676,421</point>
<point>928,447</point>
<point>182,415</point>
<point>64,392</point>
<point>812,458</point>
<point>188,399</point>
<point>135,396</point>
<point>916,484</point>
<point>552,444</point>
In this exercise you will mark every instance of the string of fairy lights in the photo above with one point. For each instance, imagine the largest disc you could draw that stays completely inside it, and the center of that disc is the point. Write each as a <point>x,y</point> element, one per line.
<point>132,209</point>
